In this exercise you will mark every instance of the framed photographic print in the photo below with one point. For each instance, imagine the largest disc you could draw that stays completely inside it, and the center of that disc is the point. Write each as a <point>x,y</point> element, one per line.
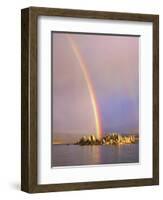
<point>90,99</point>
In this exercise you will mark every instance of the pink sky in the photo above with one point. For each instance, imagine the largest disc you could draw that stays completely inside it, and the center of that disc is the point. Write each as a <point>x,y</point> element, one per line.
<point>112,63</point>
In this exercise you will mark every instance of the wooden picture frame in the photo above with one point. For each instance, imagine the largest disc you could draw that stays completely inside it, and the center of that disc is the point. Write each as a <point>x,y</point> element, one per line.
<point>29,110</point>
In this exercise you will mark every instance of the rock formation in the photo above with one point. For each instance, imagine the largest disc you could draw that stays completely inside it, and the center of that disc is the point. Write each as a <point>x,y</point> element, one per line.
<point>109,139</point>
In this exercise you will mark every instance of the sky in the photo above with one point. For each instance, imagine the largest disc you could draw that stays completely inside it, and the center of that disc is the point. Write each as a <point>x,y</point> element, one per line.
<point>112,64</point>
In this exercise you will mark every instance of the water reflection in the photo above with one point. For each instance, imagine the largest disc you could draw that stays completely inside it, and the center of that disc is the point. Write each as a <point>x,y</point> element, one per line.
<point>73,155</point>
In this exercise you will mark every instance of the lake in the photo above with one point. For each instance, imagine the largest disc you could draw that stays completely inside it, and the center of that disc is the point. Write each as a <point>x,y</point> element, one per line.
<point>75,155</point>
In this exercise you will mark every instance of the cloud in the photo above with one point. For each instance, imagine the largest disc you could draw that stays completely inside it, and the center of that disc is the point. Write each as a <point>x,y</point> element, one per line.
<point>112,62</point>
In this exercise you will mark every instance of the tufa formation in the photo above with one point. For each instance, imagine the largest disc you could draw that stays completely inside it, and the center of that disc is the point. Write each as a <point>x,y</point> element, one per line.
<point>109,139</point>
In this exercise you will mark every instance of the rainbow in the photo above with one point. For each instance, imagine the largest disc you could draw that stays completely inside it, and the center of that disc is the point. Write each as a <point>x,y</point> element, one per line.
<point>89,85</point>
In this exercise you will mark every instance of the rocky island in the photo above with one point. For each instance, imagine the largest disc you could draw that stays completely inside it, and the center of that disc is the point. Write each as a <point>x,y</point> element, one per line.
<point>109,139</point>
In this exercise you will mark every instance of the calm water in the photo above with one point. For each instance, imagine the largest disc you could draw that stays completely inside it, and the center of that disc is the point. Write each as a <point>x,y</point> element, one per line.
<point>71,155</point>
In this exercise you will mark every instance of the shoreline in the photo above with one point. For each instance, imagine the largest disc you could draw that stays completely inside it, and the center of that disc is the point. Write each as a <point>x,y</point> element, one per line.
<point>109,139</point>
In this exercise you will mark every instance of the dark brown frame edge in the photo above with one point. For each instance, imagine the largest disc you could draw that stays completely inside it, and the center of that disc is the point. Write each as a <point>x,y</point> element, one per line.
<point>29,99</point>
